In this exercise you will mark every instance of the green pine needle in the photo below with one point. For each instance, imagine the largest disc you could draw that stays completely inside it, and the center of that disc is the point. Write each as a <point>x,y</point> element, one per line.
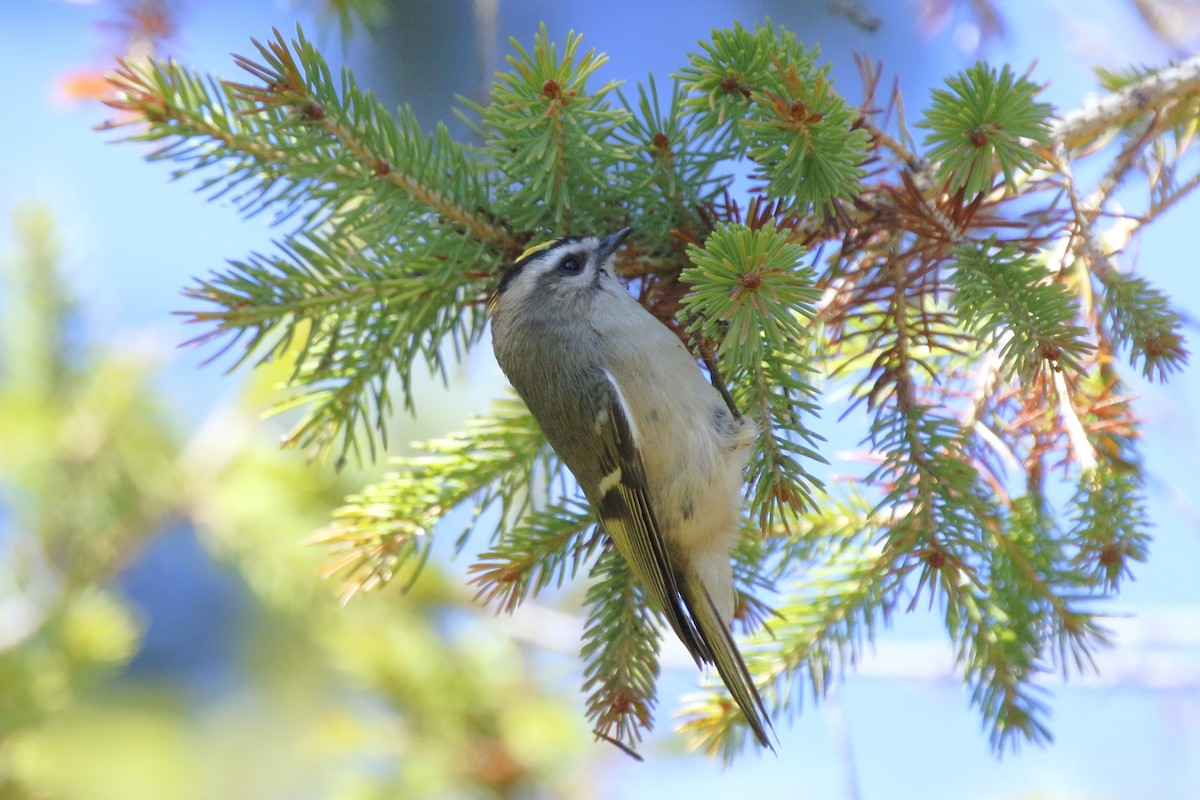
<point>831,610</point>
<point>620,654</point>
<point>986,123</point>
<point>752,293</point>
<point>1109,530</point>
<point>547,548</point>
<point>761,87</point>
<point>490,466</point>
<point>671,157</point>
<point>1007,300</point>
<point>802,135</point>
<point>395,237</point>
<point>544,122</point>
<point>1141,319</point>
<point>735,64</point>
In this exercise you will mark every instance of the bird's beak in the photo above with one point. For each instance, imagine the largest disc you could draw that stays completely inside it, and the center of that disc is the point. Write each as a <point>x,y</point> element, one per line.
<point>609,244</point>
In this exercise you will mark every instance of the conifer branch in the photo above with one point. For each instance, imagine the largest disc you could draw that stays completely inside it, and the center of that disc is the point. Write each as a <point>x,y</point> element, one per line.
<point>381,530</point>
<point>970,310</point>
<point>548,547</point>
<point>620,654</point>
<point>831,610</point>
<point>1109,530</point>
<point>294,77</point>
<point>742,278</point>
<point>1175,86</point>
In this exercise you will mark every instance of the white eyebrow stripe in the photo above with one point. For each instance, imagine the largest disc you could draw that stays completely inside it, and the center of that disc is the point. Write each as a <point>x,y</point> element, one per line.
<point>542,270</point>
<point>555,254</point>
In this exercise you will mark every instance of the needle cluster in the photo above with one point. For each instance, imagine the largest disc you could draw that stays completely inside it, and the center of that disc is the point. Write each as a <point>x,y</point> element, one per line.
<point>962,300</point>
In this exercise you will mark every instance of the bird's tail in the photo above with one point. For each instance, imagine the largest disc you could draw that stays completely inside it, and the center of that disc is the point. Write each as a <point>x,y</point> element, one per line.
<point>723,652</point>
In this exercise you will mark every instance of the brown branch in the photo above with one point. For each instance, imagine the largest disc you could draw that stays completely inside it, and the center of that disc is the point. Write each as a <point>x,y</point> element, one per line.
<point>442,205</point>
<point>1083,238</point>
<point>287,86</point>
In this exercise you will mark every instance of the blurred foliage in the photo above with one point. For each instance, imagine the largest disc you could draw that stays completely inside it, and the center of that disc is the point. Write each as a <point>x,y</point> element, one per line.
<point>411,697</point>
<point>87,472</point>
<point>893,249</point>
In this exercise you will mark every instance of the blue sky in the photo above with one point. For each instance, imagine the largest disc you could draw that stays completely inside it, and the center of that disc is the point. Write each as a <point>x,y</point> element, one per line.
<point>133,240</point>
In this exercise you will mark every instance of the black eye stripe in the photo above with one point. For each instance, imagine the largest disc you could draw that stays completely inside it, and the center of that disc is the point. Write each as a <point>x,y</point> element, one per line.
<point>511,272</point>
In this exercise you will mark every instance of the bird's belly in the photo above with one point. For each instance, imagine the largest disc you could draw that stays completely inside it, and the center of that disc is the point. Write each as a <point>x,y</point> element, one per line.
<point>695,481</point>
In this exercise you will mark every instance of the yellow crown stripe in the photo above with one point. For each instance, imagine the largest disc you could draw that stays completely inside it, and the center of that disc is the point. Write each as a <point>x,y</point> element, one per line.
<point>536,248</point>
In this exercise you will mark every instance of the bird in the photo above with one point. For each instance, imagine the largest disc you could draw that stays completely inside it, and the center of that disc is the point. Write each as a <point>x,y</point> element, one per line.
<point>655,448</point>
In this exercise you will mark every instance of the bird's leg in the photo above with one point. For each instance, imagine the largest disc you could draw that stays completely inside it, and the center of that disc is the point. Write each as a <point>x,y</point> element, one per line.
<point>718,383</point>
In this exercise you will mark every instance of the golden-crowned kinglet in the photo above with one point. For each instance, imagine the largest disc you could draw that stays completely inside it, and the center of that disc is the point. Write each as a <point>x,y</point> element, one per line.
<point>652,444</point>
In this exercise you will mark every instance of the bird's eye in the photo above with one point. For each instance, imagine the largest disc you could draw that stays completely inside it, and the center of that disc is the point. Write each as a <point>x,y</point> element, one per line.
<point>569,265</point>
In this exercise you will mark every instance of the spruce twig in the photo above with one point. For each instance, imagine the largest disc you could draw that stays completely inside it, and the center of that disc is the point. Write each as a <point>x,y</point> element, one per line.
<point>956,290</point>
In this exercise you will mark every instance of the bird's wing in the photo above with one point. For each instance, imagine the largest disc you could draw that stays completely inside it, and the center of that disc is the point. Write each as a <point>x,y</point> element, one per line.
<point>718,639</point>
<point>623,506</point>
